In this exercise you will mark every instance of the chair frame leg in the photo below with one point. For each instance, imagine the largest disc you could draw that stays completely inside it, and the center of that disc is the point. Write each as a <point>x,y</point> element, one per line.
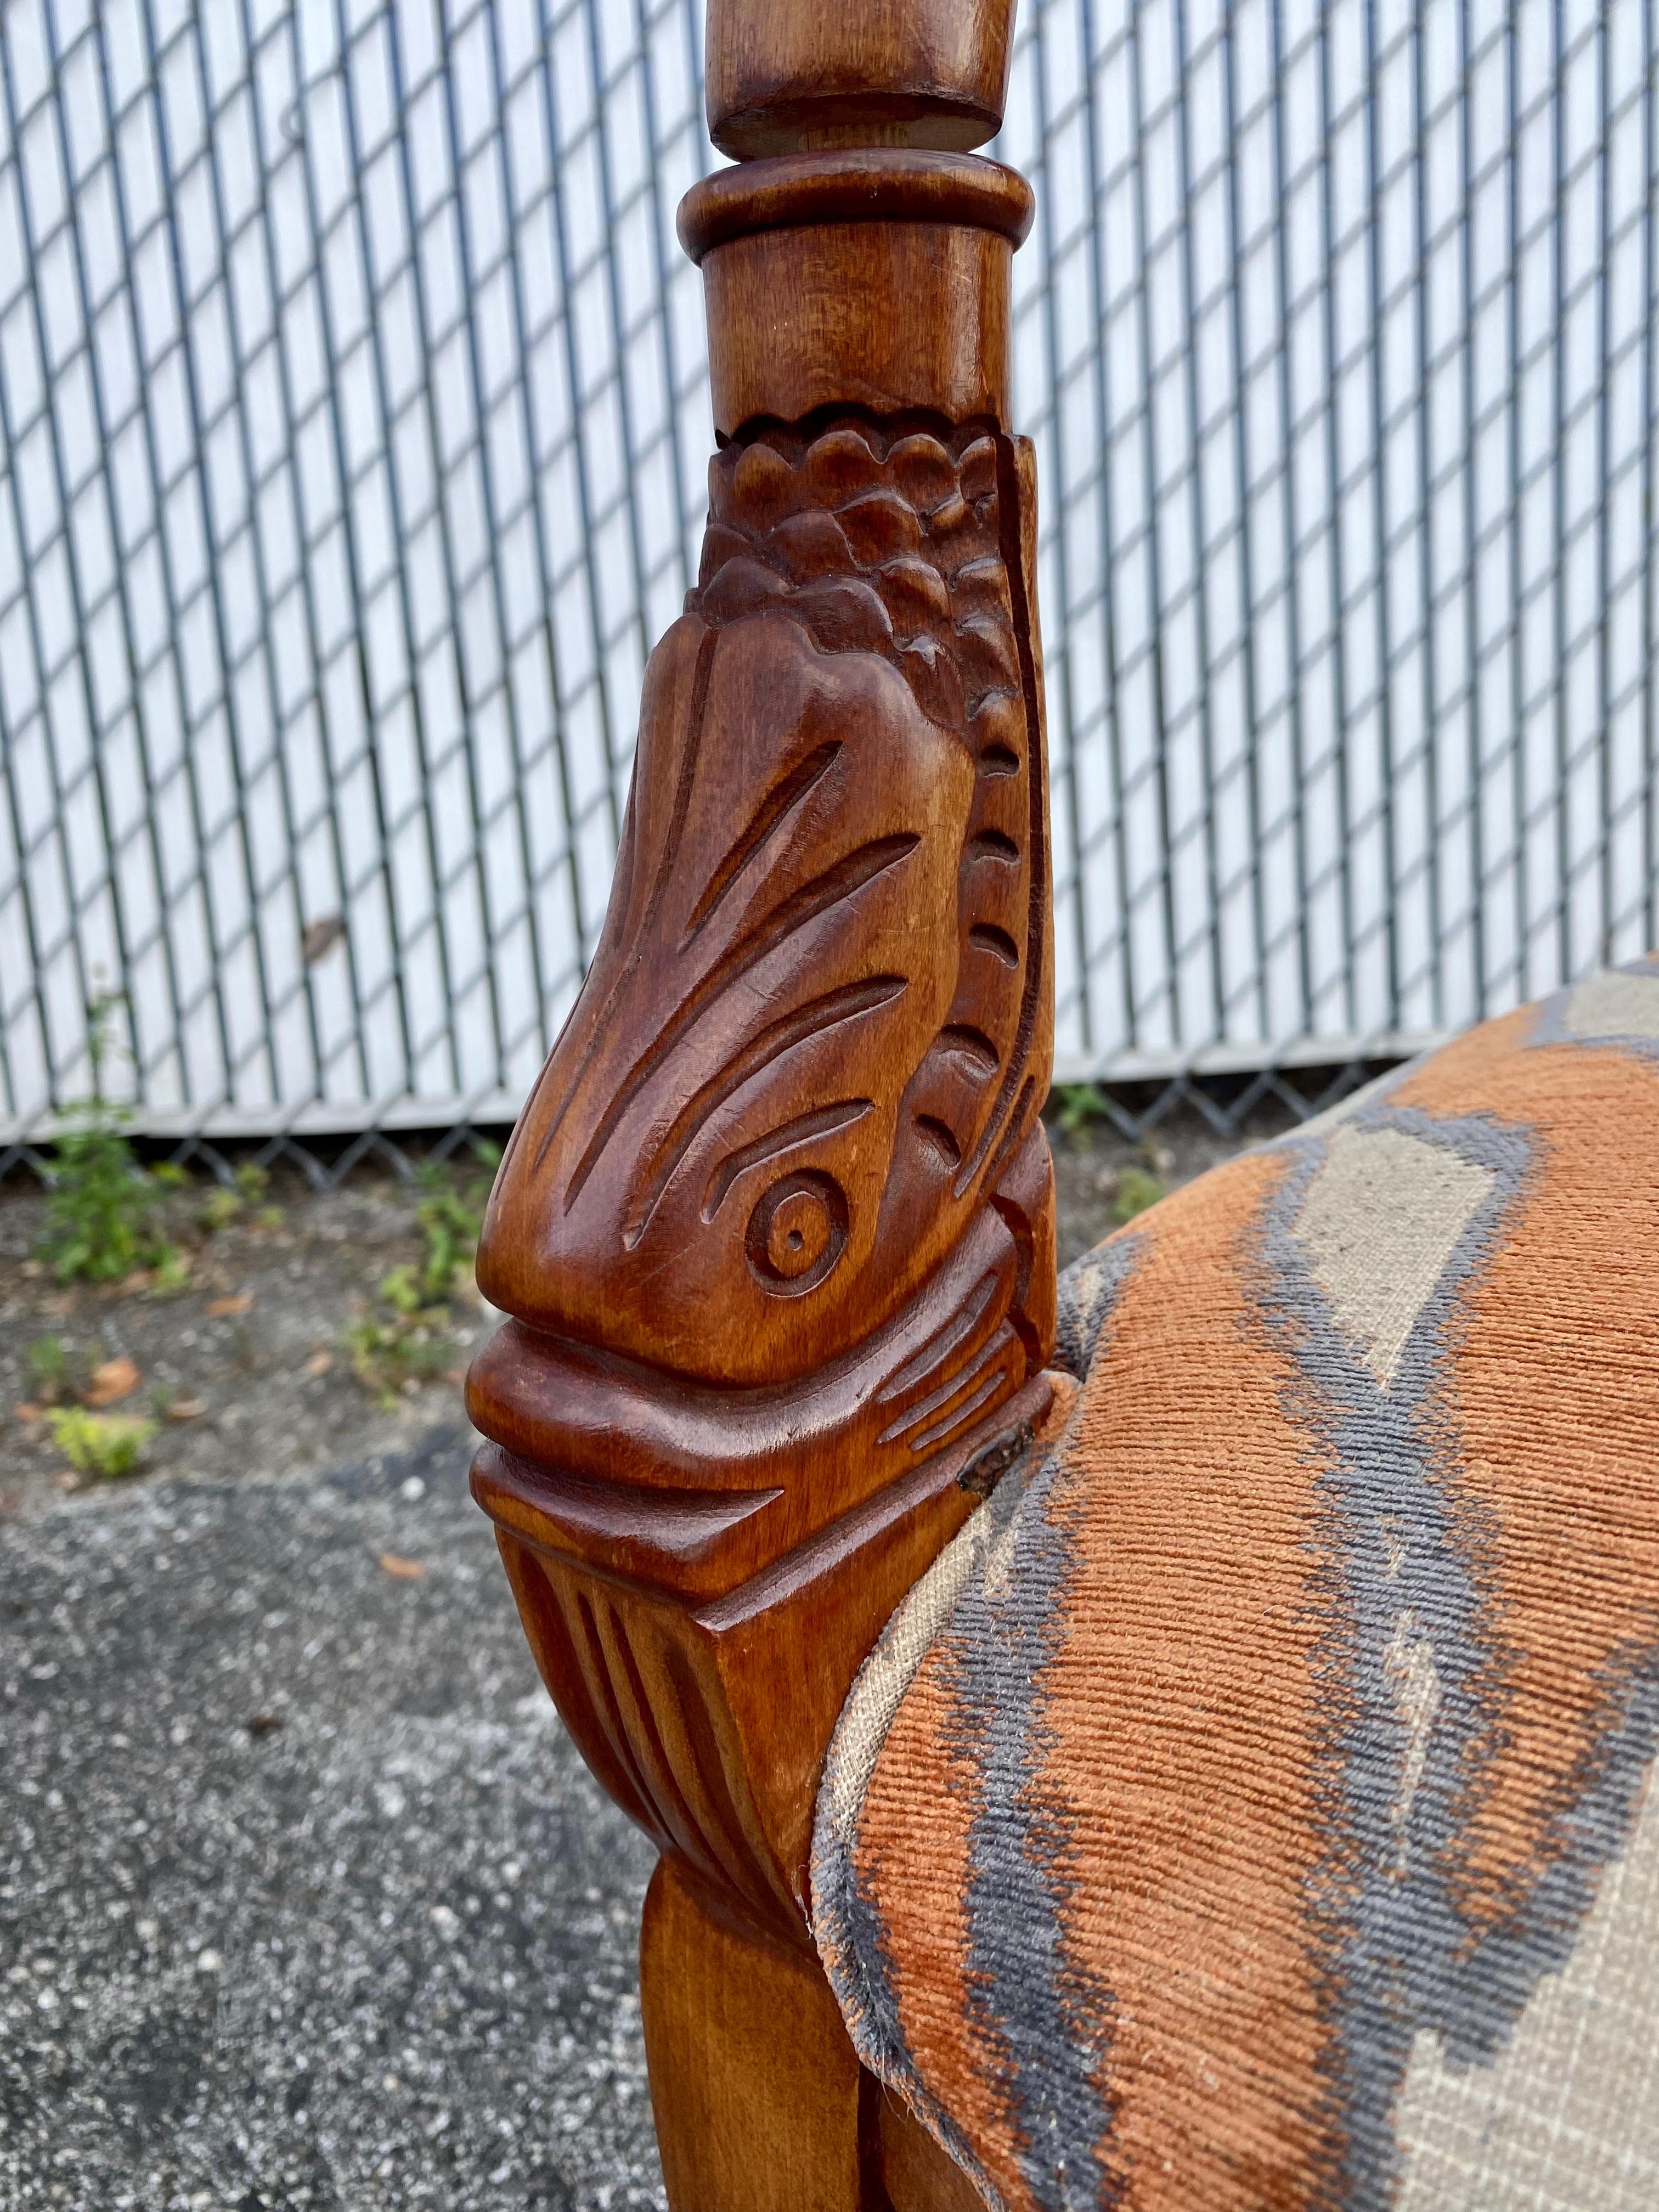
<point>760,2103</point>
<point>775,1229</point>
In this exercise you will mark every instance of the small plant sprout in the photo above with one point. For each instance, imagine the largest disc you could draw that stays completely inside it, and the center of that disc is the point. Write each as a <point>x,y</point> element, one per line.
<point>172,1271</point>
<point>1077,1104</point>
<point>1136,1191</point>
<point>449,1219</point>
<point>391,1354</point>
<point>247,1188</point>
<point>100,1207</point>
<point>54,1373</point>
<point>408,1339</point>
<point>219,1209</point>
<point>105,1444</point>
<point>403,1289</point>
<point>252,1181</point>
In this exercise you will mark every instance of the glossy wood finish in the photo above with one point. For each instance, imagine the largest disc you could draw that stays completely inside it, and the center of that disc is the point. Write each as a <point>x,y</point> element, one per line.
<point>863,185</point>
<point>707,1723</point>
<point>761,2103</point>
<point>776,1227</point>
<point>783,75</point>
<point>803,260</point>
<point>754,2084</point>
<point>777,1223</point>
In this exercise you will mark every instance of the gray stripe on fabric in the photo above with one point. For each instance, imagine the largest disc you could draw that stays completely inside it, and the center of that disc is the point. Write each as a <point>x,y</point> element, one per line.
<point>1088,1291</point>
<point>850,1926</point>
<point>878,1689</point>
<point>1042,2020</point>
<point>1415,1652</point>
<point>1349,1109</point>
<point>1043,2027</point>
<point>946,1610</point>
<point>847,1922</point>
<point>1470,1993</point>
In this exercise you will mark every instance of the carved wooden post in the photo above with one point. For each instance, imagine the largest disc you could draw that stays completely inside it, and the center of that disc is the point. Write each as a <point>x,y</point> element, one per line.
<point>776,1225</point>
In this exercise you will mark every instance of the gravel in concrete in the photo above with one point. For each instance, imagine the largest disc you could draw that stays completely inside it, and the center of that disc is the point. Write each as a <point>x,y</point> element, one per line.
<point>305,1899</point>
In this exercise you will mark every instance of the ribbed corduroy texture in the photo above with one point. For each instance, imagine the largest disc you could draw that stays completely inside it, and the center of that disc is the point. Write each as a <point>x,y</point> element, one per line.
<point>1252,1807</point>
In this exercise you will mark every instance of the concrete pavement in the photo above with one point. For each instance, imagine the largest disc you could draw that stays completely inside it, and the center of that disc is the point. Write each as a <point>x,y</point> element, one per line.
<point>306,1900</point>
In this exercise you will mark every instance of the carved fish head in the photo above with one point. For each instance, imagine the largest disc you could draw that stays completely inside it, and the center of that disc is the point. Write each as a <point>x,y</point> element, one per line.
<point>807,1037</point>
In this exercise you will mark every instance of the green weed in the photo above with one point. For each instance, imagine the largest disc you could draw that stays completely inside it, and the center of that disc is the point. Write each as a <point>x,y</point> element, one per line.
<point>449,1218</point>
<point>171,1271</point>
<point>105,1444</point>
<point>1075,1105</point>
<point>252,1181</point>
<point>226,1204</point>
<point>1136,1191</point>
<point>229,1202</point>
<point>392,1351</point>
<point>219,1209</point>
<point>406,1338</point>
<point>98,1211</point>
<point>100,1204</point>
<point>55,1372</point>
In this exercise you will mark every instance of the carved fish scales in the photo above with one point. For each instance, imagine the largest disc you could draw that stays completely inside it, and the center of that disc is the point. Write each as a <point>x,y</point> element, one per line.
<point>809,1047</point>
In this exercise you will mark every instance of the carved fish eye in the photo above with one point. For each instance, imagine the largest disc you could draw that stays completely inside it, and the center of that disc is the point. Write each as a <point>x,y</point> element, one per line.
<point>797,1232</point>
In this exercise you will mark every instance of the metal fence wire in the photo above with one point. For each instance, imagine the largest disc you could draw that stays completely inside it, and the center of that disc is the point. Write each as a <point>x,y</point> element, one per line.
<point>353,424</point>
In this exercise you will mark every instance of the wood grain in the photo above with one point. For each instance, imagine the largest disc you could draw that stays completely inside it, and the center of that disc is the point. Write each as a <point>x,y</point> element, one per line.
<point>803,258</point>
<point>777,1222</point>
<point>825,954</point>
<point>864,72</point>
<point>904,2168</point>
<point>707,1722</point>
<point>761,2103</point>
<point>864,185</point>
<point>754,2084</point>
<point>775,1229</point>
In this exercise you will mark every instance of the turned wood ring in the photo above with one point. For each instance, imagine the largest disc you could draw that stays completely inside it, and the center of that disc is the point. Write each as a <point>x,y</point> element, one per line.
<point>791,191</point>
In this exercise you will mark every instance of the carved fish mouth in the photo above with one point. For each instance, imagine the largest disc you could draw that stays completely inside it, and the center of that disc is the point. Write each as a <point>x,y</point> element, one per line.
<point>937,1369</point>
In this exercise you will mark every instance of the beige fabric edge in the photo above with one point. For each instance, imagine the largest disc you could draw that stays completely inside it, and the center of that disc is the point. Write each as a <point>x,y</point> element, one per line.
<point>879,1688</point>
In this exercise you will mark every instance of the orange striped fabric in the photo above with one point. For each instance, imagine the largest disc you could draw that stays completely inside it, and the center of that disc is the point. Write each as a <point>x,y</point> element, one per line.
<point>1251,1807</point>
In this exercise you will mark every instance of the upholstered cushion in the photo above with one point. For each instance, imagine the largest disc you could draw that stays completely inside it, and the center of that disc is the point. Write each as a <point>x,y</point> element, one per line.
<point>1252,1807</point>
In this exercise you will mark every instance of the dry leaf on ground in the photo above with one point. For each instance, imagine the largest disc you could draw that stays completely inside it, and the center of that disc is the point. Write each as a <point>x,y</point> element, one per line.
<point>401,1569</point>
<point>186,1409</point>
<point>114,1379</point>
<point>319,1362</point>
<point>224,1308</point>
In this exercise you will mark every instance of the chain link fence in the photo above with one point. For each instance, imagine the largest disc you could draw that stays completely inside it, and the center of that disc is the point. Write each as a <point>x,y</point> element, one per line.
<point>353,425</point>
